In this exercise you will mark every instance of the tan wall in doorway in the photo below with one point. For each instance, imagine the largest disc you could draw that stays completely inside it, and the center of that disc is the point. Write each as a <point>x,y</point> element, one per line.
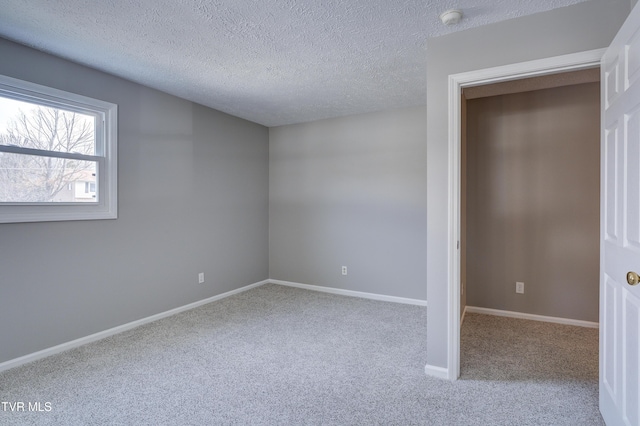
<point>533,201</point>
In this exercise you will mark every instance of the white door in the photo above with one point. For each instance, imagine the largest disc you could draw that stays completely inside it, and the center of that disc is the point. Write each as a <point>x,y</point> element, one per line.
<point>620,228</point>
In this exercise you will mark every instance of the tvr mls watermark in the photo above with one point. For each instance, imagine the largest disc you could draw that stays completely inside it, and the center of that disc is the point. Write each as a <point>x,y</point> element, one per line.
<point>21,406</point>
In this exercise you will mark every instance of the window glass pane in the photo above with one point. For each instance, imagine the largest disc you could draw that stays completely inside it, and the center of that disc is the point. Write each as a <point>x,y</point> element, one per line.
<point>41,127</point>
<point>37,179</point>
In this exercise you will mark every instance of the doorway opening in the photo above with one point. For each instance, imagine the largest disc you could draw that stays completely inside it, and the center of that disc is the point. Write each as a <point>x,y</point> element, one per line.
<point>529,221</point>
<point>457,83</point>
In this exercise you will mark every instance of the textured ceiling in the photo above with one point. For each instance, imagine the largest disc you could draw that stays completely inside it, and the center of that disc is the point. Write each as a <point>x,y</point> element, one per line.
<point>274,62</point>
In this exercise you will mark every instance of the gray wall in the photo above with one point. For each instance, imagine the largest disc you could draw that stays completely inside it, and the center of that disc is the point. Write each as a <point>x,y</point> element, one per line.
<point>193,197</point>
<point>351,191</point>
<point>534,201</point>
<point>581,27</point>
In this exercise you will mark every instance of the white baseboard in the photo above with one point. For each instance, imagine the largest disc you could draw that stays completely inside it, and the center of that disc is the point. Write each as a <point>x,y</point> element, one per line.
<point>520,315</point>
<point>352,293</point>
<point>16,362</point>
<point>464,312</point>
<point>439,372</point>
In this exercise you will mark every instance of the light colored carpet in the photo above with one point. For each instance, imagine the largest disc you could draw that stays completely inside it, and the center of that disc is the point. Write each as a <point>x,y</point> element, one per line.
<point>277,356</point>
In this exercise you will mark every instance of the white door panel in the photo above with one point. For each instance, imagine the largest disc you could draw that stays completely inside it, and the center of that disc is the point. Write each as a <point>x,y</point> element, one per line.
<point>620,228</point>
<point>631,348</point>
<point>610,364</point>
<point>612,163</point>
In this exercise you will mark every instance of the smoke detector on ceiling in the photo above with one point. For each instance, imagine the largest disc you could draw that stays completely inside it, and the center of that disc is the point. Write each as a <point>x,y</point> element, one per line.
<point>451,17</point>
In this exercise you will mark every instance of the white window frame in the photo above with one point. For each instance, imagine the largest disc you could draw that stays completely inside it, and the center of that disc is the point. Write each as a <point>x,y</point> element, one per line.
<point>106,155</point>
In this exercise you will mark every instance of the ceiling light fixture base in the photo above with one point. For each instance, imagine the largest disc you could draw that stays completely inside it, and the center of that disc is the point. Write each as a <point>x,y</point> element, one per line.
<point>451,17</point>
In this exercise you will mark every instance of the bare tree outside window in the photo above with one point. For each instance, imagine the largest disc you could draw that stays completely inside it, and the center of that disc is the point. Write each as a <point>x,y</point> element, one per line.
<point>58,154</point>
<point>41,178</point>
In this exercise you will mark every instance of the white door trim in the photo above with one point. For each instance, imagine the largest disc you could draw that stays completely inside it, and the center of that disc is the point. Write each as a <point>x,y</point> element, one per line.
<point>571,62</point>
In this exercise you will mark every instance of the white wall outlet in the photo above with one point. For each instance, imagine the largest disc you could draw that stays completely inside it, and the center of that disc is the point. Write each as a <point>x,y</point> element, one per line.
<point>344,270</point>
<point>201,278</point>
<point>520,287</point>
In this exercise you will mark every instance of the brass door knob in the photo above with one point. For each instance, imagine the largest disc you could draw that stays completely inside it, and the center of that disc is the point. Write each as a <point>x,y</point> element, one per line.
<point>633,278</point>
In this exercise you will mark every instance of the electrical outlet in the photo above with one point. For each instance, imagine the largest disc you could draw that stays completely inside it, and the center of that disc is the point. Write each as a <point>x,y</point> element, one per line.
<point>344,270</point>
<point>201,278</point>
<point>520,287</point>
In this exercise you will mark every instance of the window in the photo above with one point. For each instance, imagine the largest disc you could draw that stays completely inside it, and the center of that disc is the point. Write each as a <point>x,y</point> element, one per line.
<point>58,155</point>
